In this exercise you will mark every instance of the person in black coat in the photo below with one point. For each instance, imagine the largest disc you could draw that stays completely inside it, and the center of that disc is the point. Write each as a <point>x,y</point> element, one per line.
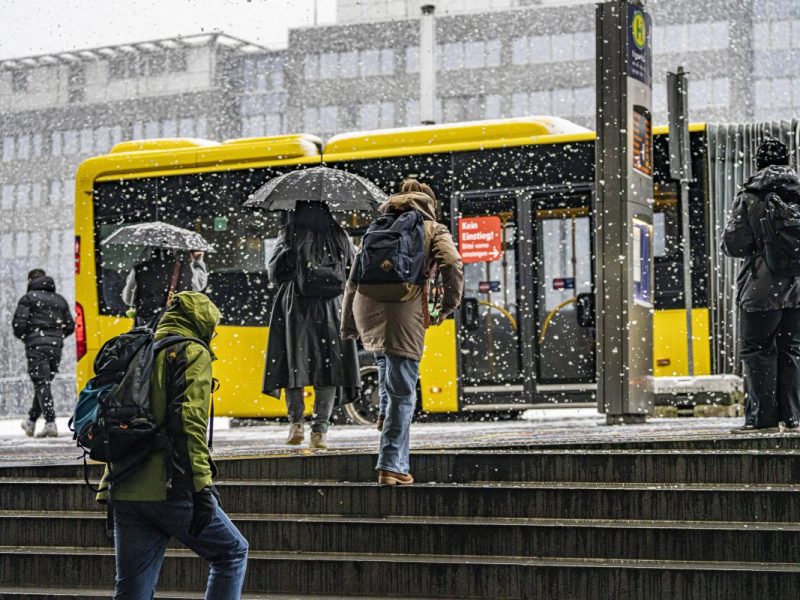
<point>42,320</point>
<point>304,346</point>
<point>769,303</point>
<point>148,283</point>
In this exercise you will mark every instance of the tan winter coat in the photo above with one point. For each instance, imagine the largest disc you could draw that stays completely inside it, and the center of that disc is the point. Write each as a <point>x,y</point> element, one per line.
<point>398,328</point>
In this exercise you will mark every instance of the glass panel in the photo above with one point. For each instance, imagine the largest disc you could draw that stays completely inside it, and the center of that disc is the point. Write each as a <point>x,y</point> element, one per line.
<point>474,55</point>
<point>540,49</point>
<point>412,59</point>
<point>387,61</point>
<point>490,352</point>
<point>348,64</point>
<point>493,51</point>
<point>453,56</point>
<point>519,51</point>
<point>370,62</point>
<point>566,349</point>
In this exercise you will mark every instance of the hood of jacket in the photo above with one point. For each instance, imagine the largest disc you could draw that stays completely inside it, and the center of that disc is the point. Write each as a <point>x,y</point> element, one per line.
<point>780,179</point>
<point>410,201</point>
<point>192,314</point>
<point>42,284</point>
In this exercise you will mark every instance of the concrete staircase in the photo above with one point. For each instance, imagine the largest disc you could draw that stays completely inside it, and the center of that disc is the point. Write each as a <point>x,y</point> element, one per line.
<point>680,519</point>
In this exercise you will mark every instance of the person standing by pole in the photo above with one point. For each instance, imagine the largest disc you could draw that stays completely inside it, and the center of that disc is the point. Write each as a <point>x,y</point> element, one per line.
<point>768,292</point>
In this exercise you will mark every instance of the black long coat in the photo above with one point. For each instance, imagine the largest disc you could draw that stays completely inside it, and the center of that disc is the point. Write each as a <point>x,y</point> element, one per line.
<point>304,347</point>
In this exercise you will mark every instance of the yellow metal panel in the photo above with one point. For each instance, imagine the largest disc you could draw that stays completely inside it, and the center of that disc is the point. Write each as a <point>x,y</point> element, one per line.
<point>239,367</point>
<point>456,137</point>
<point>160,144</point>
<point>669,342</point>
<point>438,371</point>
<point>693,128</point>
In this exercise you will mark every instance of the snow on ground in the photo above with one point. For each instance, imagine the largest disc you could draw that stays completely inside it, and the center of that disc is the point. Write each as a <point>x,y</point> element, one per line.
<point>540,426</point>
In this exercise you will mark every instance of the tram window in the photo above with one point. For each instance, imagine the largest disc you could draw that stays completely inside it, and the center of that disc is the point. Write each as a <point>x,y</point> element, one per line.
<point>659,234</point>
<point>666,221</point>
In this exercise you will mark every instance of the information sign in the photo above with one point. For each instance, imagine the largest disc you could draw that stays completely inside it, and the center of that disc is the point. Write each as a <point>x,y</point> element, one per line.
<point>479,239</point>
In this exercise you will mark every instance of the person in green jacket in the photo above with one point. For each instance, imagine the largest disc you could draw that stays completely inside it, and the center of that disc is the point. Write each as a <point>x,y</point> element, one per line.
<point>172,495</point>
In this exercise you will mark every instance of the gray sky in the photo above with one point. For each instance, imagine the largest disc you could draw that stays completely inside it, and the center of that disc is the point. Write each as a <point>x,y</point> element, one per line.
<point>29,27</point>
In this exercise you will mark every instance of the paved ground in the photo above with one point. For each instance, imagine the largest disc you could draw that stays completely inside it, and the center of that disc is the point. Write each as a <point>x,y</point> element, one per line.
<point>536,427</point>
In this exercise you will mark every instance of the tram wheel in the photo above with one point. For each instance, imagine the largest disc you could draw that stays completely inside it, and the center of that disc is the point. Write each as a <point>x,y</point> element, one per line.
<point>364,411</point>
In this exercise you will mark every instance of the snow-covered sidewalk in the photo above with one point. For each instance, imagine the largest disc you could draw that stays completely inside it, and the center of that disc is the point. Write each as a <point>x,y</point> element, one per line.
<point>537,427</point>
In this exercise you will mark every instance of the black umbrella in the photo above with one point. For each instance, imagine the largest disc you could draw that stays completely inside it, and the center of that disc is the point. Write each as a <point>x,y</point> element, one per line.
<point>158,235</point>
<point>340,190</point>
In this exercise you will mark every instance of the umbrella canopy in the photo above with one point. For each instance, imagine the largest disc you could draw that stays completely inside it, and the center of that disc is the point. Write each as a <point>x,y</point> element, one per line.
<point>340,190</point>
<point>158,235</point>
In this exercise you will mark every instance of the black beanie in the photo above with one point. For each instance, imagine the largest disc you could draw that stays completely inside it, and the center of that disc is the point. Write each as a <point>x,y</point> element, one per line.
<point>771,152</point>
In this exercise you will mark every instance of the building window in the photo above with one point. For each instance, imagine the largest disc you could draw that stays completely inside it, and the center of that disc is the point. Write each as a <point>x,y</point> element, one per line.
<point>387,61</point>
<point>56,148</point>
<point>8,148</point>
<point>329,65</point>
<point>70,139</point>
<point>37,144</point>
<point>564,47</point>
<point>370,63</point>
<point>19,81</point>
<point>23,146</point>
<point>348,64</point>
<point>328,118</point>
<point>8,197</point>
<point>310,119</point>
<point>691,37</point>
<point>412,59</point>
<point>311,66</point>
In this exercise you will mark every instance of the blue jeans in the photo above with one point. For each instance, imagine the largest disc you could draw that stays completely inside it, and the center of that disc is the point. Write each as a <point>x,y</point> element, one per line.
<point>399,380</point>
<point>142,531</point>
<point>324,399</point>
<point>383,397</point>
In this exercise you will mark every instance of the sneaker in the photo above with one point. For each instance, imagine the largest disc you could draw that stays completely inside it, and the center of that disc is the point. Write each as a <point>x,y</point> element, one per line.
<point>379,422</point>
<point>296,434</point>
<point>754,429</point>
<point>392,478</point>
<point>318,440</point>
<point>49,430</point>
<point>28,427</point>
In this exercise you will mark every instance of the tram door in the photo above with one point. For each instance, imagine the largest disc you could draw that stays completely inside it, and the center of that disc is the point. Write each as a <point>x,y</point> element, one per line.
<point>565,333</point>
<point>489,341</point>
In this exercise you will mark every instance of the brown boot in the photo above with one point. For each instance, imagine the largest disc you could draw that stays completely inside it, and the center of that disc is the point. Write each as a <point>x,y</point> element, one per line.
<point>392,478</point>
<point>379,422</point>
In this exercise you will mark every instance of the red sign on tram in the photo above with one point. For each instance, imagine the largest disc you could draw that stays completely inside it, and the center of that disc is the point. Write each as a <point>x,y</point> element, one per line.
<point>479,239</point>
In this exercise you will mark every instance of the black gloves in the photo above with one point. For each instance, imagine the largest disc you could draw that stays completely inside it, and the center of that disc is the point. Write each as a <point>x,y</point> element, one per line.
<point>203,508</point>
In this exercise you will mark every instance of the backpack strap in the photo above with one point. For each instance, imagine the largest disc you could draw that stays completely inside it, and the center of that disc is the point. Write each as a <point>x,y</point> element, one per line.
<point>173,281</point>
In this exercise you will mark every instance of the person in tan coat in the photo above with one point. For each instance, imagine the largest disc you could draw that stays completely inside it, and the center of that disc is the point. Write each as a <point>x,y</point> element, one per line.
<point>395,331</point>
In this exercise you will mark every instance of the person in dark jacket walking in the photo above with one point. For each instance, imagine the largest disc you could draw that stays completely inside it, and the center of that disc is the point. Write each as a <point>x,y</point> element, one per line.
<point>147,288</point>
<point>42,320</point>
<point>769,303</point>
<point>395,331</point>
<point>304,347</point>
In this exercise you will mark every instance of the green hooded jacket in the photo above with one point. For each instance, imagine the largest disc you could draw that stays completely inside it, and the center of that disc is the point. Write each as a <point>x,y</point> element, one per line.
<point>180,401</point>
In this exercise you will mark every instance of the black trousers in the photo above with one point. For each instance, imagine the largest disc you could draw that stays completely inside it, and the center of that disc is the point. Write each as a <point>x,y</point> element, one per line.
<point>770,348</point>
<point>43,364</point>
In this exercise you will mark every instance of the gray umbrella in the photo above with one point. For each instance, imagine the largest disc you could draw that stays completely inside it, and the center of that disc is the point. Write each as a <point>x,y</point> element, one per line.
<point>340,190</point>
<point>158,235</point>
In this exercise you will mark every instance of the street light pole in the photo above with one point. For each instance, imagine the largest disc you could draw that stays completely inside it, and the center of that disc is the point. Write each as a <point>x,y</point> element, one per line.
<point>427,65</point>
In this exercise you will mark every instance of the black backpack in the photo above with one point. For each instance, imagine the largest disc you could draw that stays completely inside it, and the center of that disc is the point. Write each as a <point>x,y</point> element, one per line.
<point>321,272</point>
<point>390,264</point>
<point>113,420</point>
<point>780,228</point>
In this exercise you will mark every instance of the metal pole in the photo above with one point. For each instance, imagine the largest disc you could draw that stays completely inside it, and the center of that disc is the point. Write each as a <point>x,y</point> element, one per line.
<point>681,169</point>
<point>427,65</point>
